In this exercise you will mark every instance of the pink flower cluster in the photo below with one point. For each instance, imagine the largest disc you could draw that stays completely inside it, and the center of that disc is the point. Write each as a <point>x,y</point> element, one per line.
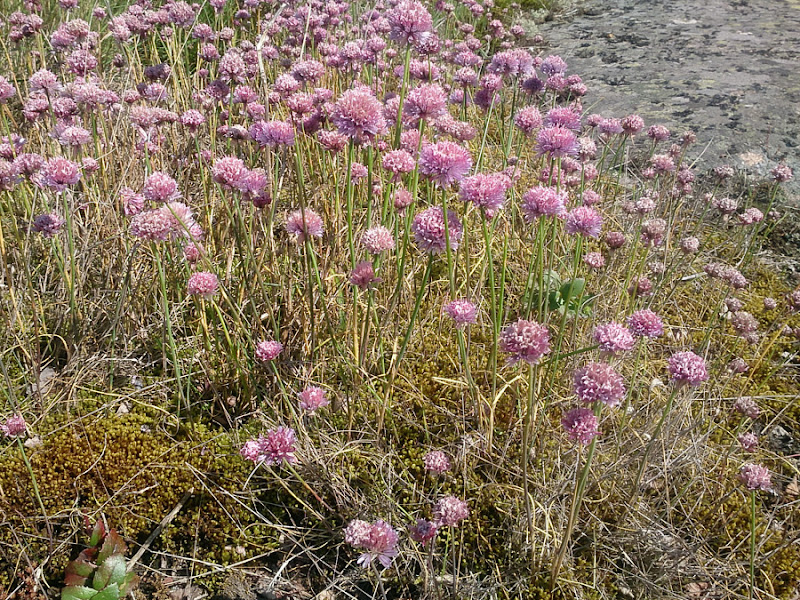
<point>378,540</point>
<point>277,446</point>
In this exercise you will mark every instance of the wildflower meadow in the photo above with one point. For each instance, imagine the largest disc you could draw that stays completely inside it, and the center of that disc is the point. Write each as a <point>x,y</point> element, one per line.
<point>349,300</point>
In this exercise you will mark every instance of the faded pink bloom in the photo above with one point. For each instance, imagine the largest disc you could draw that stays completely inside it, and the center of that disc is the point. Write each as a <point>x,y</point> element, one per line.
<point>463,312</point>
<point>449,511</point>
<point>486,191</point>
<point>48,224</point>
<point>748,441</point>
<point>613,337</point>
<point>599,382</point>
<point>304,224</point>
<point>272,133</point>
<point>313,398</point>
<point>445,163</point>
<point>781,173</point>
<point>229,171</point>
<point>14,426</point>
<point>658,133</point>
<point>408,21</point>
<point>268,350</point>
<point>152,225</point>
<point>423,531</point>
<point>557,142</point>
<point>377,239</point>
<point>429,230</point>
<point>160,187</point>
<point>203,283</point>
<point>747,407</point>
<point>58,174</point>
<point>584,220</point>
<point>543,201</point>
<point>398,162</point>
<point>529,119</point>
<point>363,275</point>
<point>755,477</point>
<point>690,245</point>
<point>425,102</point>
<point>359,116</point>
<point>436,461</point>
<point>526,341</point>
<point>687,367</point>
<point>378,540</point>
<point>594,260</point>
<point>581,425</point>
<point>646,323</point>
<point>278,446</point>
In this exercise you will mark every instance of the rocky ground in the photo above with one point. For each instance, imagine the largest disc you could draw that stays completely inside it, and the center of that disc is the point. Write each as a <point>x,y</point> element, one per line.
<point>728,69</point>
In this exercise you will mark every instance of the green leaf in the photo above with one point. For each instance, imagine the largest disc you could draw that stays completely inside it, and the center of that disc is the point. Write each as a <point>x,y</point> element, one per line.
<point>111,572</point>
<point>78,592</point>
<point>98,533</point>
<point>112,544</point>
<point>110,593</point>
<point>572,289</point>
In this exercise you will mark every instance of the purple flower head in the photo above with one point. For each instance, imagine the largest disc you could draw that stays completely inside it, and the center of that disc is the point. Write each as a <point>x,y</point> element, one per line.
<point>272,133</point>
<point>529,119</point>
<point>658,133</point>
<point>408,20</point>
<point>48,224</point>
<point>632,124</point>
<point>268,350</point>
<point>14,426</point>
<point>463,312</point>
<point>553,65</point>
<point>450,511</point>
<point>436,461</point>
<point>543,201</point>
<point>425,102</point>
<point>770,304</point>
<point>747,407</point>
<point>748,441</point>
<point>58,174</point>
<point>526,341</point>
<point>192,119</point>
<point>613,338</point>
<point>203,283</point>
<point>423,531</point>
<point>557,142</point>
<point>738,366</point>
<point>377,239</point>
<point>160,187</point>
<point>304,224</point>
<point>398,162</point>
<point>781,173</point>
<point>363,275</point>
<point>274,448</point>
<point>690,245</point>
<point>485,190</point>
<point>595,260</point>
<point>378,540</point>
<point>581,425</point>
<point>445,163</point>
<point>563,116</point>
<point>429,230</point>
<point>584,220</point>
<point>687,367</point>
<point>152,225</point>
<point>599,382</point>
<point>751,216</point>
<point>229,171</point>
<point>312,398</point>
<point>755,477</point>
<point>646,323</point>
<point>359,116</point>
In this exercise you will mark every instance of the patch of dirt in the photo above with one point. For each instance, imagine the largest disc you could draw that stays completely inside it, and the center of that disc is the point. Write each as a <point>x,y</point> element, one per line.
<point>728,69</point>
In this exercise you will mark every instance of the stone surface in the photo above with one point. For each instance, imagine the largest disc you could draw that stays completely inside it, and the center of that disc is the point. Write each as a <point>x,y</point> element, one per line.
<point>728,69</point>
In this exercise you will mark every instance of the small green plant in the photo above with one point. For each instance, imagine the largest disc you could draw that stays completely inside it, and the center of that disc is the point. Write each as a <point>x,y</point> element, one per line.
<point>103,564</point>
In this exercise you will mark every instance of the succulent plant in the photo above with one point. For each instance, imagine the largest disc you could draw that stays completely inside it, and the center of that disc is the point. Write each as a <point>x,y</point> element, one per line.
<point>102,566</point>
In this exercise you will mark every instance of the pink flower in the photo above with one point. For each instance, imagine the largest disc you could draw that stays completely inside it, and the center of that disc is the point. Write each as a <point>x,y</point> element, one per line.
<point>408,21</point>
<point>445,163</point>
<point>268,350</point>
<point>563,116</point>
<point>595,260</point>
<point>687,367</point>
<point>557,142</point>
<point>748,441</point>
<point>14,426</point>
<point>377,239</point>
<point>436,461</point>
<point>613,337</point>
<point>160,187</point>
<point>581,425</point>
<point>359,116</point>
<point>486,191</point>
<point>363,275</point>
<point>423,531</point>
<point>272,133</point>
<point>599,382</point>
<point>526,341</point>
<point>450,511</point>
<point>746,406</point>
<point>543,201</point>
<point>398,162</point>
<point>58,174</point>
<point>152,225</point>
<point>379,540</point>
<point>584,220</point>
<point>755,477</point>
<point>646,323</point>
<point>425,102</point>
<point>203,283</point>
<point>229,171</point>
<point>312,398</point>
<point>48,224</point>
<point>278,446</point>
<point>463,312</point>
<point>304,224</point>
<point>529,119</point>
<point>429,230</point>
